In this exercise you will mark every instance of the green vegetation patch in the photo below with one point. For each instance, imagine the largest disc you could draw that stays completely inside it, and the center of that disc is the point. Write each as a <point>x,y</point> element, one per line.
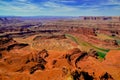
<point>118,41</point>
<point>101,54</point>
<point>72,38</point>
<point>101,51</point>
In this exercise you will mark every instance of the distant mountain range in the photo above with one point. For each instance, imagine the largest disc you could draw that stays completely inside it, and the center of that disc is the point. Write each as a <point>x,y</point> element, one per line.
<point>3,18</point>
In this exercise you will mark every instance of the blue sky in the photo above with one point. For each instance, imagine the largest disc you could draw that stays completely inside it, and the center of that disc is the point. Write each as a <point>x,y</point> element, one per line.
<point>60,7</point>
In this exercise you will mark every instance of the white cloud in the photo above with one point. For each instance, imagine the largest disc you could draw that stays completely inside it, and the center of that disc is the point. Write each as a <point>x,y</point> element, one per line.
<point>20,7</point>
<point>64,1</point>
<point>55,7</point>
<point>58,7</point>
<point>22,0</point>
<point>51,5</point>
<point>112,2</point>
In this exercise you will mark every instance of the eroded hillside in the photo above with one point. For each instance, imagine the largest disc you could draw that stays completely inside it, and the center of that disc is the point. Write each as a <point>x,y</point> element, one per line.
<point>60,49</point>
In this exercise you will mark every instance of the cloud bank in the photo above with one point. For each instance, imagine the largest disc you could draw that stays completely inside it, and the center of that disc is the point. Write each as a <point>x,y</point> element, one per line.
<point>60,7</point>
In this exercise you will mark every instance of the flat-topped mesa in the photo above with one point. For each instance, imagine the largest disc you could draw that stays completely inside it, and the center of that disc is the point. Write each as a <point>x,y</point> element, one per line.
<point>111,43</point>
<point>50,37</point>
<point>7,43</point>
<point>109,32</point>
<point>103,18</point>
<point>85,31</point>
<point>88,31</point>
<point>6,40</point>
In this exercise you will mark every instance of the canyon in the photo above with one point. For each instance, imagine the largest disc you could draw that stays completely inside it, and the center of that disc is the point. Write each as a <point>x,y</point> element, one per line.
<point>73,48</point>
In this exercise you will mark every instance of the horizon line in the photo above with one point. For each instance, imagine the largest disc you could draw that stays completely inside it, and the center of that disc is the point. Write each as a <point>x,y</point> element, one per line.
<point>60,16</point>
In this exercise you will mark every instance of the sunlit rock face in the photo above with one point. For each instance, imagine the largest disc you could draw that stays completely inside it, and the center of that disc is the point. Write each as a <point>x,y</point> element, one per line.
<point>60,49</point>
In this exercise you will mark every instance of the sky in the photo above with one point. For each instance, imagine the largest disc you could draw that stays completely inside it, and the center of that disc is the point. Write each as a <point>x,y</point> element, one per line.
<point>59,7</point>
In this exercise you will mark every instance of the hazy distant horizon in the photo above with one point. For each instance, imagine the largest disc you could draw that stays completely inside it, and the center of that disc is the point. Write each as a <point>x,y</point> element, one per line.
<point>55,16</point>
